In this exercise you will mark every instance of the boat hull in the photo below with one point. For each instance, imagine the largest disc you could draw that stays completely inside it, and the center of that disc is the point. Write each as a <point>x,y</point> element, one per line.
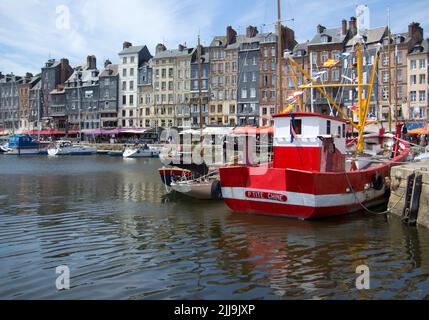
<point>200,191</point>
<point>25,151</point>
<point>140,153</point>
<point>168,175</point>
<point>304,194</point>
<point>73,151</point>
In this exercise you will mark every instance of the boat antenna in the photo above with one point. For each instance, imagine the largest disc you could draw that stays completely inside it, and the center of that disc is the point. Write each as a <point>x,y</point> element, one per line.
<point>280,56</point>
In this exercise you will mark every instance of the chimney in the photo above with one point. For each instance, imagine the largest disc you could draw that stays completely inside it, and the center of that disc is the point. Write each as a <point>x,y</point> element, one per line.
<point>231,35</point>
<point>107,63</point>
<point>344,27</point>
<point>126,45</point>
<point>415,32</point>
<point>91,63</point>
<point>28,77</point>
<point>65,70</point>
<point>160,48</point>
<point>320,29</point>
<point>181,47</point>
<point>353,25</point>
<point>251,31</point>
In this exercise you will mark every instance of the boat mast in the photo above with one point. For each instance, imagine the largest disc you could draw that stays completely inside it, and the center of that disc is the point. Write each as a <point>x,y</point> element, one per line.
<point>389,49</point>
<point>396,84</point>
<point>199,86</point>
<point>280,57</point>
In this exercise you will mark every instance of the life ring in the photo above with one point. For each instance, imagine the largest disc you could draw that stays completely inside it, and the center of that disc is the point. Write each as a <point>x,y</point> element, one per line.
<point>377,182</point>
<point>216,190</point>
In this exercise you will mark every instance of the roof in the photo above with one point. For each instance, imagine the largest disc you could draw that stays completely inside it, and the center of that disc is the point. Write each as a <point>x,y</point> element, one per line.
<point>335,35</point>
<point>216,39</point>
<point>420,48</point>
<point>174,53</point>
<point>132,50</point>
<point>375,35</point>
<point>110,71</point>
<point>308,114</point>
<point>87,76</point>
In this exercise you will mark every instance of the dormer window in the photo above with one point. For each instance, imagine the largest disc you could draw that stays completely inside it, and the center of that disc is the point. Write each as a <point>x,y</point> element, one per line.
<point>325,39</point>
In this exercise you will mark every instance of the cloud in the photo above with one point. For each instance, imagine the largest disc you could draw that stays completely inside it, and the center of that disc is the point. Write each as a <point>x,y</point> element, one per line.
<point>29,32</point>
<point>99,27</point>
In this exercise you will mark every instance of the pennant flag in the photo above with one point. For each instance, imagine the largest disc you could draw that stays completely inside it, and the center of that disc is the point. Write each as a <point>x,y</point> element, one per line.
<point>295,95</point>
<point>292,128</point>
<point>344,55</point>
<point>353,108</point>
<point>330,63</point>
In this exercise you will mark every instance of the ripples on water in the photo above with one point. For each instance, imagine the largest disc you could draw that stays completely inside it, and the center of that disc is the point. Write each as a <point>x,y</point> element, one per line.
<point>122,237</point>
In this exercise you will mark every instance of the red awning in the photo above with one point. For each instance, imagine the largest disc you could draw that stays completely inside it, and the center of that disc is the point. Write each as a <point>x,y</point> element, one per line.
<point>51,132</point>
<point>253,130</point>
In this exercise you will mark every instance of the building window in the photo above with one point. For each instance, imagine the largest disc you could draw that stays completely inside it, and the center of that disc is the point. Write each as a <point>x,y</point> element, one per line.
<point>124,85</point>
<point>324,56</point>
<point>124,100</point>
<point>422,79</point>
<point>124,72</point>
<point>413,79</point>
<point>385,93</point>
<point>413,65</point>
<point>131,85</point>
<point>413,96</point>
<point>422,95</point>
<point>131,100</point>
<point>422,63</point>
<point>124,60</point>
<point>252,93</point>
<point>244,93</point>
<point>131,72</point>
<point>132,60</point>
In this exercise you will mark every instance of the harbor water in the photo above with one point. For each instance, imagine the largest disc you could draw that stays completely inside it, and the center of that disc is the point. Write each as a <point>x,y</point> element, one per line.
<point>122,236</point>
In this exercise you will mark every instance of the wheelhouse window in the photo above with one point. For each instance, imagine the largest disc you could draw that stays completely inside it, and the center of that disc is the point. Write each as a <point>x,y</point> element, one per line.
<point>297,126</point>
<point>328,127</point>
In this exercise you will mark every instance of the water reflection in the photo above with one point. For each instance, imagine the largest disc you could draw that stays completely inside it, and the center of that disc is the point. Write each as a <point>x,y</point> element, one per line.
<point>123,237</point>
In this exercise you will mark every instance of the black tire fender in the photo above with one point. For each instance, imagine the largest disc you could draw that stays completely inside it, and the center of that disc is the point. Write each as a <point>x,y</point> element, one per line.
<point>377,182</point>
<point>216,190</point>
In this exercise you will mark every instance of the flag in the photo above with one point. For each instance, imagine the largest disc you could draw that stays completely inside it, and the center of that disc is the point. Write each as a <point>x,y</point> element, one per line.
<point>292,128</point>
<point>295,95</point>
<point>330,63</point>
<point>353,108</point>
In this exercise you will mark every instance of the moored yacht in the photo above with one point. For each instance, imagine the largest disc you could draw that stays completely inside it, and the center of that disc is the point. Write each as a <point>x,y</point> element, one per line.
<point>63,148</point>
<point>21,144</point>
<point>140,151</point>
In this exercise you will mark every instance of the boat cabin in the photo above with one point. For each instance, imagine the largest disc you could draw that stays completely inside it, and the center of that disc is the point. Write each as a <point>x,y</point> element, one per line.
<point>309,141</point>
<point>21,141</point>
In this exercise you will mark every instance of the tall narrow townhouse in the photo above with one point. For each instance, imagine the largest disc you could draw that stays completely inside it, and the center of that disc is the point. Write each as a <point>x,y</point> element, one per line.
<point>109,95</point>
<point>198,70</point>
<point>146,105</point>
<point>130,59</point>
<point>183,85</point>
<point>224,79</point>
<point>171,84</point>
<point>398,99</point>
<point>418,82</point>
<point>248,77</point>
<point>268,69</point>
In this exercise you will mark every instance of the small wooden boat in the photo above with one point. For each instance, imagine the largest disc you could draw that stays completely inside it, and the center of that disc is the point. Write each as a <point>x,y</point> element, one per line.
<point>204,188</point>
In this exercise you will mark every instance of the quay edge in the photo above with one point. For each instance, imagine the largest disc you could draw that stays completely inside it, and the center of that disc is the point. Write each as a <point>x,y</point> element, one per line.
<point>399,177</point>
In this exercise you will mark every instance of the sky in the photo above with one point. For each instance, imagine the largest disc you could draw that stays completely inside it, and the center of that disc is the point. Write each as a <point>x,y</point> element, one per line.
<point>33,31</point>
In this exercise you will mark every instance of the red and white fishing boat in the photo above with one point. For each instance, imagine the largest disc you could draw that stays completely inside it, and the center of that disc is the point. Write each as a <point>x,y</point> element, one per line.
<point>315,173</point>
